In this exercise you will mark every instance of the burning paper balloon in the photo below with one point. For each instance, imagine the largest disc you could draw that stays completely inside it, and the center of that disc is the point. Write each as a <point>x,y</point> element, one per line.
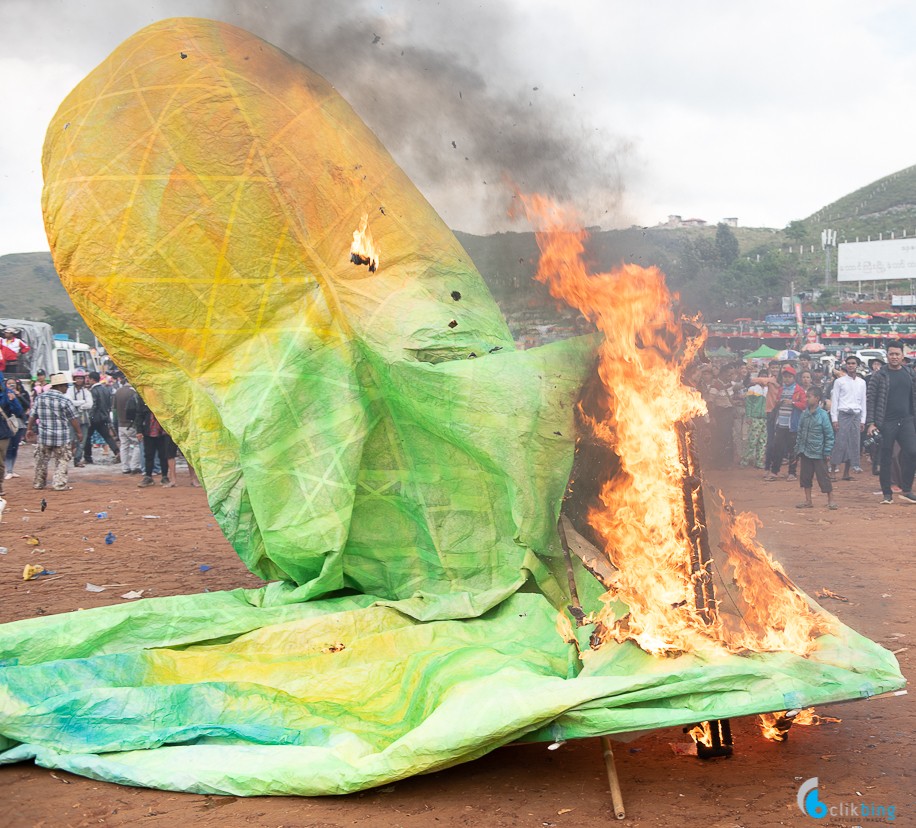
<point>218,213</point>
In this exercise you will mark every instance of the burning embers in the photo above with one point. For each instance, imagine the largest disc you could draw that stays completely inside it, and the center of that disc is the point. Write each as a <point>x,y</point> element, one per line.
<point>363,251</point>
<point>693,579</point>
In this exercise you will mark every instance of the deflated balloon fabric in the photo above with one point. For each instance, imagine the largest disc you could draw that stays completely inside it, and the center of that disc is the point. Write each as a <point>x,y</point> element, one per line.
<point>369,440</point>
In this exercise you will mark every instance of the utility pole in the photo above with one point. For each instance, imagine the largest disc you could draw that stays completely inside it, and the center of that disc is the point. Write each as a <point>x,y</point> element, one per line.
<point>828,240</point>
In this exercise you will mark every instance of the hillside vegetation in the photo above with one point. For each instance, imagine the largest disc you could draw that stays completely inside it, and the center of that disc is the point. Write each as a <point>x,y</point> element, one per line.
<point>721,271</point>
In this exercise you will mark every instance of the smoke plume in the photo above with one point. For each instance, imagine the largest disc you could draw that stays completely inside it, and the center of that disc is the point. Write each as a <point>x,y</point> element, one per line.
<point>439,90</point>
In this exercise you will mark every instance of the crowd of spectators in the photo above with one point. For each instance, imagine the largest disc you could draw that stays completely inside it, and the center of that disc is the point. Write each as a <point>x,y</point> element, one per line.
<point>757,419</point>
<point>65,417</point>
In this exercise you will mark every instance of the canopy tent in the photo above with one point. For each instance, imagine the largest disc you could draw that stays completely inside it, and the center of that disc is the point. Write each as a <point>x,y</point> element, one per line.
<point>763,352</point>
<point>369,441</point>
<point>721,353</point>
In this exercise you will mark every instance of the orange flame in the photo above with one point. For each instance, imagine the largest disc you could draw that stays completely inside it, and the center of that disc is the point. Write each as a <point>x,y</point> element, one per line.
<point>364,251</point>
<point>643,517</point>
<point>701,734</point>
<point>775,726</point>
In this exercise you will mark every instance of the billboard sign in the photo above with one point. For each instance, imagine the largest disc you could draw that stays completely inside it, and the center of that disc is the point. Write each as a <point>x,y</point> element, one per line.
<point>871,260</point>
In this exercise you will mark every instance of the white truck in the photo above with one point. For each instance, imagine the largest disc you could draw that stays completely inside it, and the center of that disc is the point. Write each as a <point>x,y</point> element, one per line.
<point>50,352</point>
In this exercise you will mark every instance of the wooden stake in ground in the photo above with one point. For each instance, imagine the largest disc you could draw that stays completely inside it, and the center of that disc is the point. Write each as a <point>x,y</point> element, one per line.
<point>613,781</point>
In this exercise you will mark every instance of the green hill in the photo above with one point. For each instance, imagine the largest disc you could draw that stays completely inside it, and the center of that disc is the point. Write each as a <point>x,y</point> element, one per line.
<point>31,289</point>
<point>885,206</point>
<point>747,279</point>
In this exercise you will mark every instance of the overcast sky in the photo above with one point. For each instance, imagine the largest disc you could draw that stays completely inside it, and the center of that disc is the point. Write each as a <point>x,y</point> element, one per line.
<point>633,110</point>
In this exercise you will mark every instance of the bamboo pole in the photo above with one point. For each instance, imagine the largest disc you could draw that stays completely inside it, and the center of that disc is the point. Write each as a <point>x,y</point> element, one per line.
<point>613,781</point>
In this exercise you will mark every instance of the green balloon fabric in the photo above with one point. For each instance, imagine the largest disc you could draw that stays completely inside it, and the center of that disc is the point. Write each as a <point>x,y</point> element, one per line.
<point>370,442</point>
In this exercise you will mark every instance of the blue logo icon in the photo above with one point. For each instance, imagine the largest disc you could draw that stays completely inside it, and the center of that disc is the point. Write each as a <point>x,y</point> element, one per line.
<point>808,803</point>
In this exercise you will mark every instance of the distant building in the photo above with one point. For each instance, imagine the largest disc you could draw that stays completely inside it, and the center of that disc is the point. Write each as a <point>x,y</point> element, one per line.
<point>677,221</point>
<point>730,222</point>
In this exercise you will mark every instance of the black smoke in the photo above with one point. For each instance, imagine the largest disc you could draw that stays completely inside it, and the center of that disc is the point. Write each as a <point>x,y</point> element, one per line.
<point>451,115</point>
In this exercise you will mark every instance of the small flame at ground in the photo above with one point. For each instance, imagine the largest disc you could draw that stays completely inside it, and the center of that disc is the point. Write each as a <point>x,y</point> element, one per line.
<point>701,733</point>
<point>775,726</point>
<point>364,251</point>
<point>650,515</point>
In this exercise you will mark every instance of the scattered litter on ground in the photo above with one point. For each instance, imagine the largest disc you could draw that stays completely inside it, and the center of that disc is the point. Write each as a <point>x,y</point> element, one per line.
<point>110,538</point>
<point>94,588</point>
<point>44,504</point>
<point>3,550</point>
<point>205,568</point>
<point>31,540</point>
<point>134,593</point>
<point>32,571</point>
<point>151,517</point>
<point>823,592</point>
<point>101,515</point>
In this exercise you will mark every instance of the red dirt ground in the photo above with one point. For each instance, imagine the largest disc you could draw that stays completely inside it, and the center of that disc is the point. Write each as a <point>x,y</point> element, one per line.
<point>863,552</point>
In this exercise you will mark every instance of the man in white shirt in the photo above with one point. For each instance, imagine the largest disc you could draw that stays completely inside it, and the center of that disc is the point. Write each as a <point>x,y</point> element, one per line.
<point>79,395</point>
<point>847,412</point>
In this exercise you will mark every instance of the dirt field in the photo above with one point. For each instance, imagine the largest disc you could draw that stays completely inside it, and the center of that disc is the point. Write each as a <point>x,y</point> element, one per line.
<point>862,552</point>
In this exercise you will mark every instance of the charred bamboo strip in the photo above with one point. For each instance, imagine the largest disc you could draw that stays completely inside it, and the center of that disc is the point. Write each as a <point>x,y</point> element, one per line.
<point>704,555</point>
<point>570,574</point>
<point>694,515</point>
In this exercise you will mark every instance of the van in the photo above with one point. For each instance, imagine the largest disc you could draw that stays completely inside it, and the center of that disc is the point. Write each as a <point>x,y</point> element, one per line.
<point>68,355</point>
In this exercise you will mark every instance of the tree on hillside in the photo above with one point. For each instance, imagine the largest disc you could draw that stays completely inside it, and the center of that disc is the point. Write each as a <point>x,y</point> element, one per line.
<point>63,322</point>
<point>796,231</point>
<point>726,244</point>
<point>749,288</point>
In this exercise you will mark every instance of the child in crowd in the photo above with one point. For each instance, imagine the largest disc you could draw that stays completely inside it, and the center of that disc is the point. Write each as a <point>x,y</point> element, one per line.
<point>813,446</point>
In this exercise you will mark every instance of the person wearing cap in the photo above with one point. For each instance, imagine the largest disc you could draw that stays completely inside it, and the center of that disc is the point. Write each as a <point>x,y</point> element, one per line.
<point>79,395</point>
<point>847,415</point>
<point>40,383</point>
<point>891,410</point>
<point>790,404</point>
<point>55,415</point>
<point>12,348</point>
<point>873,449</point>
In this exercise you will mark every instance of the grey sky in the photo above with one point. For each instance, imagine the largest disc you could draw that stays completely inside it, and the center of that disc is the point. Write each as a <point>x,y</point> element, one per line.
<point>632,110</point>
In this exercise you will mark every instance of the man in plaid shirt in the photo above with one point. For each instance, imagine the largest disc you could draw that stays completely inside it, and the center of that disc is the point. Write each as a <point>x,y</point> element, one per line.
<point>55,414</point>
